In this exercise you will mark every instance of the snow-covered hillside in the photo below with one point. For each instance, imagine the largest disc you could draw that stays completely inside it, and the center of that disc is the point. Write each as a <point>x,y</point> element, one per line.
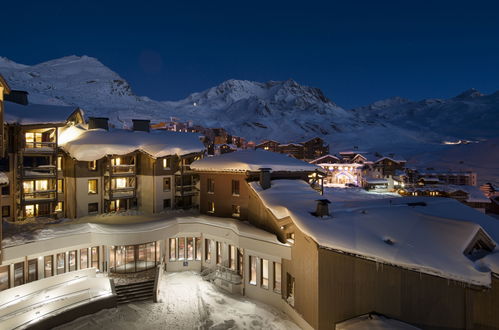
<point>280,110</point>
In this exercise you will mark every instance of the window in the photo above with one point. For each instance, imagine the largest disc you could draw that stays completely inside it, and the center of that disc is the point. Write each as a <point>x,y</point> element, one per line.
<point>173,248</point>
<point>60,185</point>
<point>207,250</point>
<point>181,248</point>
<point>211,186</point>
<point>59,207</point>
<point>4,277</point>
<point>232,257</point>
<point>83,258</point>
<point>167,184</point>
<point>190,248</point>
<point>116,161</point>
<point>93,208</point>
<point>167,204</point>
<point>6,211</point>
<point>61,263</point>
<point>277,277</point>
<point>92,165</point>
<point>219,253</point>
<point>33,140</point>
<point>198,248</point>
<point>236,211</point>
<point>252,270</point>
<point>240,262</point>
<point>290,238</point>
<point>264,273</point>
<point>133,258</point>
<point>290,291</point>
<point>48,266</point>
<point>92,186</point>
<point>95,257</point>
<point>235,187</point>
<point>32,270</point>
<point>19,273</point>
<point>6,190</point>
<point>72,260</point>
<point>211,207</point>
<point>167,163</point>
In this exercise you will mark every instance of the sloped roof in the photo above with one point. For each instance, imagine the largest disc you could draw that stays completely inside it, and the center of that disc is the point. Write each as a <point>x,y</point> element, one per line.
<point>37,114</point>
<point>429,239</point>
<point>253,160</point>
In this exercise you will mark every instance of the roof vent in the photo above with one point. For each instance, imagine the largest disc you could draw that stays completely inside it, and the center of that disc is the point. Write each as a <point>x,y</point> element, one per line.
<point>389,241</point>
<point>322,208</point>
<point>265,178</point>
<point>98,122</point>
<point>142,125</point>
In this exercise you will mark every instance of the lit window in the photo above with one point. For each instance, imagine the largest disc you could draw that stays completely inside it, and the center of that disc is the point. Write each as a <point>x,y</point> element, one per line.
<point>28,186</point>
<point>58,207</point>
<point>264,270</point>
<point>59,163</point>
<point>211,207</point>
<point>92,165</point>
<point>190,248</point>
<point>29,211</point>
<point>252,270</point>
<point>41,185</point>
<point>92,187</point>
<point>198,248</point>
<point>207,250</point>
<point>60,185</point>
<point>232,257</point>
<point>119,183</point>
<point>48,266</point>
<point>83,258</point>
<point>61,263</point>
<point>236,211</point>
<point>173,248</point>
<point>219,253</point>
<point>72,260</point>
<point>181,248</point>
<point>116,161</point>
<point>95,257</point>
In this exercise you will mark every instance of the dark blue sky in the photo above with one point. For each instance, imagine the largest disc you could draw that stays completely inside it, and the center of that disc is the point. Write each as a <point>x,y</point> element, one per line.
<point>355,51</point>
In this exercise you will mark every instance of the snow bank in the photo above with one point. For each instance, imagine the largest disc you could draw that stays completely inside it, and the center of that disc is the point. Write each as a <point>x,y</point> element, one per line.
<point>4,179</point>
<point>430,239</point>
<point>89,145</point>
<point>253,160</point>
<point>36,114</point>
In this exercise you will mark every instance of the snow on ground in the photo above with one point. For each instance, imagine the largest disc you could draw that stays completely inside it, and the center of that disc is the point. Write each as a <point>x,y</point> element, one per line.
<point>188,302</point>
<point>337,194</point>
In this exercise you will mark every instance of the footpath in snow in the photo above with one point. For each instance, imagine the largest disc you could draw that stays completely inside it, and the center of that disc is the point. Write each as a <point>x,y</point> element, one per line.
<point>188,302</point>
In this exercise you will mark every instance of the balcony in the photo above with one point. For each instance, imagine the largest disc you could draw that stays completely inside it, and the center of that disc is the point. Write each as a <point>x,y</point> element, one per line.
<point>122,169</point>
<point>120,193</point>
<point>40,196</point>
<point>39,147</point>
<point>42,171</point>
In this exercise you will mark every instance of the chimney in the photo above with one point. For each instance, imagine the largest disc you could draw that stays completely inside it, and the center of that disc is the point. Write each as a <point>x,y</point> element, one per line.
<point>98,122</point>
<point>141,125</point>
<point>322,208</point>
<point>265,178</point>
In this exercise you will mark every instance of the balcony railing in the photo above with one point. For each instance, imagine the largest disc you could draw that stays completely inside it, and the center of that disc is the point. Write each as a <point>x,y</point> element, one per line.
<point>123,169</point>
<point>40,146</point>
<point>40,171</point>
<point>36,196</point>
<point>117,193</point>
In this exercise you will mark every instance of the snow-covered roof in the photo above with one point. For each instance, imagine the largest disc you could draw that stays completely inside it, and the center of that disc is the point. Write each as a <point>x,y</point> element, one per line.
<point>429,239</point>
<point>376,181</point>
<point>252,160</point>
<point>36,114</point>
<point>389,158</point>
<point>474,193</point>
<point>317,160</point>
<point>89,145</point>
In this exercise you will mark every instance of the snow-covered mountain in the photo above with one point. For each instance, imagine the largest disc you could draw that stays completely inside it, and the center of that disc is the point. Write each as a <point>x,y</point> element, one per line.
<point>280,110</point>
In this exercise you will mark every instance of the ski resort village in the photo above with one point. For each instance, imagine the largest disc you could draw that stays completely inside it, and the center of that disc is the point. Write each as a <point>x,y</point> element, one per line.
<point>169,223</point>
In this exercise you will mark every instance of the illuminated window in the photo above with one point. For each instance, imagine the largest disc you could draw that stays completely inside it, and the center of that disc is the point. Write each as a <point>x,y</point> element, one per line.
<point>219,253</point>
<point>116,161</point>
<point>92,165</point>
<point>58,207</point>
<point>119,183</point>
<point>72,260</point>
<point>252,270</point>
<point>28,186</point>
<point>32,270</point>
<point>59,163</point>
<point>236,211</point>
<point>190,248</point>
<point>167,184</point>
<point>48,266</point>
<point>95,257</point>
<point>211,207</point>
<point>181,248</point>
<point>232,257</point>
<point>173,248</point>
<point>264,273</point>
<point>83,258</point>
<point>211,186</point>
<point>92,187</point>
<point>29,211</point>
<point>61,263</point>
<point>167,163</point>
<point>277,277</point>
<point>60,185</point>
<point>41,185</point>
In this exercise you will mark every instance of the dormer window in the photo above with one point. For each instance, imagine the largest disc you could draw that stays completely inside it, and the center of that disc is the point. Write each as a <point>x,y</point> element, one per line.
<point>92,165</point>
<point>479,246</point>
<point>167,163</point>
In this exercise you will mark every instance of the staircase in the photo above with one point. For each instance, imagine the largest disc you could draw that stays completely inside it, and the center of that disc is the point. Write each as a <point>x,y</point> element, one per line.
<point>138,291</point>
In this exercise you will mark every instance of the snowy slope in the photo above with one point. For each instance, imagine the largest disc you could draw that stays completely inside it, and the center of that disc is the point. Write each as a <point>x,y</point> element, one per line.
<point>284,111</point>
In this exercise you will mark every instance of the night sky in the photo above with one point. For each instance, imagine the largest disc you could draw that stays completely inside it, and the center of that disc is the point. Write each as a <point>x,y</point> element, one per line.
<point>357,52</point>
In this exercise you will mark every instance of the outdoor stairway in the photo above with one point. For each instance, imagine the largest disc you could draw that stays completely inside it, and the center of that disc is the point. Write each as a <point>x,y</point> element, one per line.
<point>135,292</point>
